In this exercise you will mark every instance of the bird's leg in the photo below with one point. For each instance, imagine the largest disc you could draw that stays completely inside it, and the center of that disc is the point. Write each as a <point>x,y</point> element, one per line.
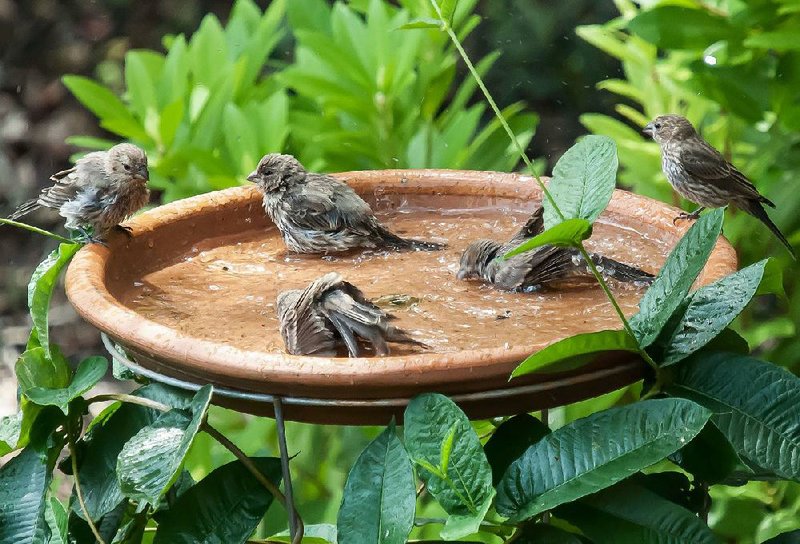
<point>689,216</point>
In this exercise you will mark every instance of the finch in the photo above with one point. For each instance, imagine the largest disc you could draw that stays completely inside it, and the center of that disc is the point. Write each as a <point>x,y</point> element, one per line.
<point>538,267</point>
<point>700,173</point>
<point>331,313</point>
<point>103,189</point>
<point>316,213</point>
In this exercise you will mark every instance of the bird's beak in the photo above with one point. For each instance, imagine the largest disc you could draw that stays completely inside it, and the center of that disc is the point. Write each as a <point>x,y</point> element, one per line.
<point>144,173</point>
<point>253,176</point>
<point>648,129</point>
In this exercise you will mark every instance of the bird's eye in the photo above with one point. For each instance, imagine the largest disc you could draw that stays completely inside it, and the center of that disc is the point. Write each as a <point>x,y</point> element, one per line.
<point>126,166</point>
<point>658,126</point>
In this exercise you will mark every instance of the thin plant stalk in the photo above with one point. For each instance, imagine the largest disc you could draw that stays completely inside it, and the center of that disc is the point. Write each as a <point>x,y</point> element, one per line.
<point>37,230</point>
<point>78,491</point>
<point>447,28</point>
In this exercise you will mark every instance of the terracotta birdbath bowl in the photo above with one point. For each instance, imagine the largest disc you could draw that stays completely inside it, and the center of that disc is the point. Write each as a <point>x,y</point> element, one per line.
<point>190,299</point>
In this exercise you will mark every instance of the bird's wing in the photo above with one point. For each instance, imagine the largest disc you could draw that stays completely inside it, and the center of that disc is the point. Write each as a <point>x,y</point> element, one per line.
<point>532,227</point>
<point>326,204</point>
<point>304,330</point>
<point>62,192</point>
<point>536,267</point>
<point>707,164</point>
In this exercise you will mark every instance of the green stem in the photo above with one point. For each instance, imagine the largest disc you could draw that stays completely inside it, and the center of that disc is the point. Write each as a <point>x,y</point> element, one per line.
<point>78,491</point>
<point>495,109</point>
<point>626,325</point>
<point>37,230</point>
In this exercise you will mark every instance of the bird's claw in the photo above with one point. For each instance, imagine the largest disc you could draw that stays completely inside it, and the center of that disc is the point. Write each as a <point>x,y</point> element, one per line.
<point>685,216</point>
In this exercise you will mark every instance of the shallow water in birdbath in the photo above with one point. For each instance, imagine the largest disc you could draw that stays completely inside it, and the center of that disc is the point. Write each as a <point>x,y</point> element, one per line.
<point>223,289</point>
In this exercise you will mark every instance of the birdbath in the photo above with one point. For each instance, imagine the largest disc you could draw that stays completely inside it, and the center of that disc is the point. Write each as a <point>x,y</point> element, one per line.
<point>190,299</point>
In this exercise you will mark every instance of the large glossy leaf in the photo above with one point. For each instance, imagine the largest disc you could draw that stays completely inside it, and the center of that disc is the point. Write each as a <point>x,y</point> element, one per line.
<point>150,461</point>
<point>583,180</point>
<point>41,286</point>
<point>676,277</point>
<point>23,496</point>
<point>103,442</point>
<point>568,233</point>
<point>755,405</point>
<point>576,346</point>
<point>708,311</point>
<point>593,453</point>
<point>225,506</point>
<point>89,372</point>
<point>320,533</point>
<point>379,496</point>
<point>99,99</point>
<point>631,514</point>
<point>452,463</point>
<point>24,481</point>
<point>792,537</point>
<point>698,27</point>
<point>510,440</point>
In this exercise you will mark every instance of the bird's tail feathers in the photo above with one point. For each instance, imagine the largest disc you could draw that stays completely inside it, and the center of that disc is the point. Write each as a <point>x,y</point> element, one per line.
<point>25,208</point>
<point>620,271</point>
<point>757,210</point>
<point>394,241</point>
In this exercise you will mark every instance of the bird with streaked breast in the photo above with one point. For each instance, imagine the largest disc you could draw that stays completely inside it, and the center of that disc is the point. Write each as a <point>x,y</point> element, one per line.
<point>103,189</point>
<point>317,213</point>
<point>538,267</point>
<point>700,173</point>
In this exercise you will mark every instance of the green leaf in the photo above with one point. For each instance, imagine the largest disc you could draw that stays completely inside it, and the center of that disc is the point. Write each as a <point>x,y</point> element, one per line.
<point>56,517</point>
<point>569,233</point>
<point>709,456</point>
<point>583,180</point>
<point>676,277</point>
<point>104,440</point>
<point>772,280</point>
<point>23,496</point>
<point>755,405</point>
<point>698,28</point>
<point>631,514</point>
<point>225,506</point>
<point>447,8</point>
<point>379,496</point>
<point>575,346</point>
<point>779,40</point>
<point>141,89</point>
<point>41,286</point>
<point>10,429</point>
<point>97,98</point>
<point>708,311</point>
<point>510,440</point>
<point>90,371</point>
<point>150,461</point>
<point>36,370</point>
<point>593,453</point>
<point>24,481</point>
<point>422,22</point>
<point>465,492</point>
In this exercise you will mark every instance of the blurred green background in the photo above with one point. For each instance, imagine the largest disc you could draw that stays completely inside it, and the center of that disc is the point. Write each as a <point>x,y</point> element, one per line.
<point>208,88</point>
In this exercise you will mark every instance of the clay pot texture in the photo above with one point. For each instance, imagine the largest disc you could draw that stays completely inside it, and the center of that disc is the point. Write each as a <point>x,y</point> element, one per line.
<point>94,280</point>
